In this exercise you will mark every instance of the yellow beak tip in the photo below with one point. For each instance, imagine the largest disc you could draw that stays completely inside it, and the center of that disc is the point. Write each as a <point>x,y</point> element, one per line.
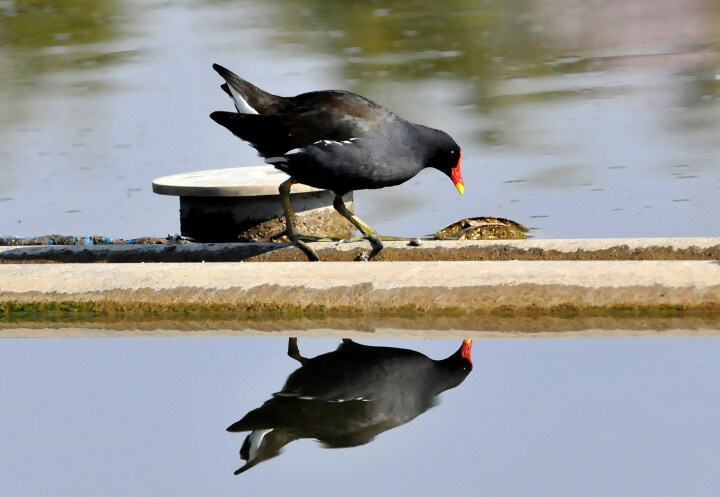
<point>460,187</point>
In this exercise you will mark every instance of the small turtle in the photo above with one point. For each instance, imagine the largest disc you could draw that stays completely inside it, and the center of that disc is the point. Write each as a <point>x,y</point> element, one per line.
<point>482,228</point>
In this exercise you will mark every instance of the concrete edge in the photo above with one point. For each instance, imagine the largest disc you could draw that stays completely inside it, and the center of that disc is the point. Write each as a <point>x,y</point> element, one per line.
<point>295,289</point>
<point>707,248</point>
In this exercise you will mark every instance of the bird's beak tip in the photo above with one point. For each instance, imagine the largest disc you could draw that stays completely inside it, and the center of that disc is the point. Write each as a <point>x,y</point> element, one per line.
<point>457,179</point>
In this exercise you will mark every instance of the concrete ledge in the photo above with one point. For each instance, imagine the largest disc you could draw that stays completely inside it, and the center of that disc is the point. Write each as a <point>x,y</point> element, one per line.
<point>430,250</point>
<point>454,288</point>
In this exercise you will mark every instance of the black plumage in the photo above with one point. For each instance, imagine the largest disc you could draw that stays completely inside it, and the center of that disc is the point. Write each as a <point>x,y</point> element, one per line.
<point>346,397</point>
<point>335,140</point>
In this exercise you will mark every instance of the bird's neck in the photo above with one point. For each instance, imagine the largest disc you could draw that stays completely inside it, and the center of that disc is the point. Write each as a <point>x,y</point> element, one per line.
<point>426,143</point>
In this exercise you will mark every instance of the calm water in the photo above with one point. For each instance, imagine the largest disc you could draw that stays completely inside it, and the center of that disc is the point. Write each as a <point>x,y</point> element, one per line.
<point>558,417</point>
<point>581,119</point>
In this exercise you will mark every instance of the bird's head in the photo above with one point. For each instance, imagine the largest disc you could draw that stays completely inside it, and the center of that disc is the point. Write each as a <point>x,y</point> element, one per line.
<point>446,157</point>
<point>458,365</point>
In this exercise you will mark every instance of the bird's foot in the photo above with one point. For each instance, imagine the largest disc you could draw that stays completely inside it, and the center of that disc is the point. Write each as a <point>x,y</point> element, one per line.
<point>311,254</point>
<point>304,238</point>
<point>278,237</point>
<point>311,238</point>
<point>375,242</point>
<point>299,241</point>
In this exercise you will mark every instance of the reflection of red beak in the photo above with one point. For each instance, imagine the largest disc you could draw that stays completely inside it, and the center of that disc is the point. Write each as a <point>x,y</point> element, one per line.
<point>465,350</point>
<point>456,176</point>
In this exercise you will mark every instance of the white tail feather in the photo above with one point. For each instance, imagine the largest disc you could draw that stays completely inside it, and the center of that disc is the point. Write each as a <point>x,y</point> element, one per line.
<point>240,104</point>
<point>256,438</point>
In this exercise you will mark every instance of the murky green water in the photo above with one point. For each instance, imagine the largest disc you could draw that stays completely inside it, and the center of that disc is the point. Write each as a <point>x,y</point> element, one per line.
<point>579,119</point>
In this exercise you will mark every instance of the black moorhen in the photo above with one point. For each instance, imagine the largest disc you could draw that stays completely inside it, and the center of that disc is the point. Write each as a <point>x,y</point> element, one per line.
<point>347,397</point>
<point>334,140</point>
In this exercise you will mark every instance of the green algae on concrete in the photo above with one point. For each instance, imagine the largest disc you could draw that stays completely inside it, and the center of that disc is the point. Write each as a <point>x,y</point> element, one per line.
<point>483,292</point>
<point>69,311</point>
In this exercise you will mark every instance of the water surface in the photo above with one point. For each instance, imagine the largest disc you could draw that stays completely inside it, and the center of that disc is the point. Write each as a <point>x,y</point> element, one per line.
<point>579,119</point>
<point>562,417</point>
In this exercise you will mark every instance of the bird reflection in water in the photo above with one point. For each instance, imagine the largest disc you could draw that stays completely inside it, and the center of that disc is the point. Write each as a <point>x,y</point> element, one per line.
<point>347,397</point>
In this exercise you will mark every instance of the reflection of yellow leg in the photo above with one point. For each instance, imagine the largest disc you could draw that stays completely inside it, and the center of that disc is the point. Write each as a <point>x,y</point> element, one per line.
<point>290,229</point>
<point>366,230</point>
<point>294,351</point>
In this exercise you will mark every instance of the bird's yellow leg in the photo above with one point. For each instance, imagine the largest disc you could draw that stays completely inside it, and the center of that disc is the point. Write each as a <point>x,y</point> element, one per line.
<point>357,222</point>
<point>366,230</point>
<point>290,229</point>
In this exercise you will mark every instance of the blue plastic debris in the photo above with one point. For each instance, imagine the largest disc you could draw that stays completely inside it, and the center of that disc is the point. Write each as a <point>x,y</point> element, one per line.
<point>89,240</point>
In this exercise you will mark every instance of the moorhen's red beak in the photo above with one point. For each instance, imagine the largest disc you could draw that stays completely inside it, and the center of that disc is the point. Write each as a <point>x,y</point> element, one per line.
<point>456,176</point>
<point>465,349</point>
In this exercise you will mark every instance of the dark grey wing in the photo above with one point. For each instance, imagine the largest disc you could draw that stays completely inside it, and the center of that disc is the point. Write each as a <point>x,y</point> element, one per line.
<point>307,119</point>
<point>275,134</point>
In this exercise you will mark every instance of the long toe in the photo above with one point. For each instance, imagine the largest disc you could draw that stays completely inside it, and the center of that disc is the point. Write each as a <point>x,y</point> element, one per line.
<point>311,254</point>
<point>311,238</point>
<point>299,241</point>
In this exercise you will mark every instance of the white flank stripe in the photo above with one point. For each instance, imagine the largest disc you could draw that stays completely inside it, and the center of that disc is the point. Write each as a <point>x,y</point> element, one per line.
<point>240,104</point>
<point>337,401</point>
<point>333,142</point>
<point>302,150</point>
